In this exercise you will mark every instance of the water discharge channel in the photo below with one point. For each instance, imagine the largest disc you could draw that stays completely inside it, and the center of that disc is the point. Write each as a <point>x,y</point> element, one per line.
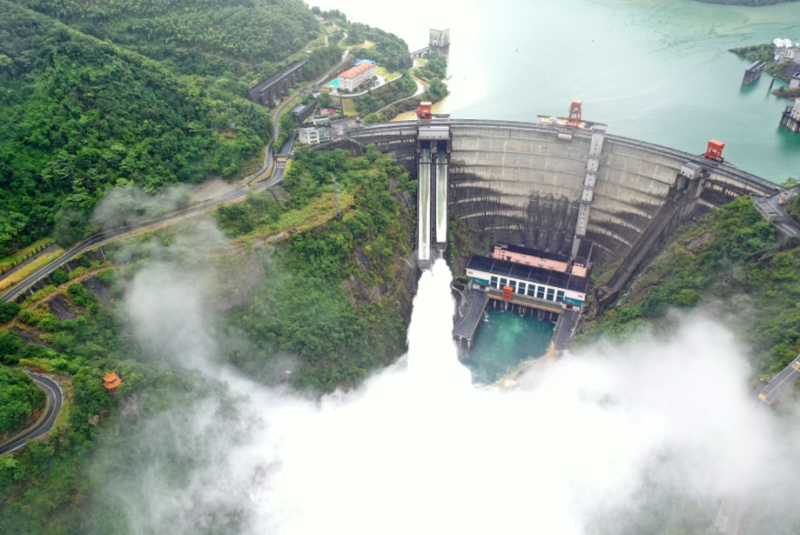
<point>503,341</point>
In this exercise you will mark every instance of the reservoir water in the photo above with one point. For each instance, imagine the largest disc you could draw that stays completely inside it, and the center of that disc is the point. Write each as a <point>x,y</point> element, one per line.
<point>504,341</point>
<point>656,70</point>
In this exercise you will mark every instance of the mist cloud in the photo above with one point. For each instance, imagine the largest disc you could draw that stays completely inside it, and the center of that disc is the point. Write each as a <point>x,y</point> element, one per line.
<point>126,205</point>
<point>609,440</point>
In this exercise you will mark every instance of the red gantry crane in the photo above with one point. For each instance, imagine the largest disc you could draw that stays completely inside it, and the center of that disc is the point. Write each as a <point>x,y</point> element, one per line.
<point>424,111</point>
<point>574,118</point>
<point>714,150</point>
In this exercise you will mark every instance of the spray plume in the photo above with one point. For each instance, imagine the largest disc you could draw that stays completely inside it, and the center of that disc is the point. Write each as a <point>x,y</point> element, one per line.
<point>417,449</point>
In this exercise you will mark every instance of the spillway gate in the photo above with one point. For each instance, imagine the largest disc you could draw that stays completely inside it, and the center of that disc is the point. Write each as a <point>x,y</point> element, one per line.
<point>433,149</point>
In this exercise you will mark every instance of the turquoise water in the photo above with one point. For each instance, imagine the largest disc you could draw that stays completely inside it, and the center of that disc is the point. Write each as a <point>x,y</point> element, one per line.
<point>656,70</point>
<point>503,342</point>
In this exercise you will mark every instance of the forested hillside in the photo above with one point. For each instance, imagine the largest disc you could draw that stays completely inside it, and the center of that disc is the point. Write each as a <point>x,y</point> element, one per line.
<point>250,30</point>
<point>20,398</point>
<point>733,262</point>
<point>81,115</point>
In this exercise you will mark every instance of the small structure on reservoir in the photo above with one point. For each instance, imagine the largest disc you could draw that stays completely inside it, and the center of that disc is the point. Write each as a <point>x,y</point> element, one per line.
<point>111,381</point>
<point>753,72</point>
<point>440,41</point>
<point>791,117</point>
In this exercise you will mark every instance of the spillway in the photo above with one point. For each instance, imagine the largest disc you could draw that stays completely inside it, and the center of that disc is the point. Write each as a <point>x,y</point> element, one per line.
<point>524,183</point>
<point>441,197</point>
<point>424,209</point>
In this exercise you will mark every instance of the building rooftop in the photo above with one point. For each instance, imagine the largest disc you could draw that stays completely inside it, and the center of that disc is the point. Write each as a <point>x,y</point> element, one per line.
<point>529,273</point>
<point>357,69</point>
<point>111,381</point>
<point>533,252</point>
<point>300,108</point>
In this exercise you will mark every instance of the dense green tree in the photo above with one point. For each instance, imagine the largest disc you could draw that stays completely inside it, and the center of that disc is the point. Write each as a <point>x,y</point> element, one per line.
<point>81,116</point>
<point>10,344</point>
<point>19,399</point>
<point>8,311</point>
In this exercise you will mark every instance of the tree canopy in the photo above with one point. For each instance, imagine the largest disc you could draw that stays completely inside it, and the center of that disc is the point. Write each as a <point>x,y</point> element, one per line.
<point>83,115</point>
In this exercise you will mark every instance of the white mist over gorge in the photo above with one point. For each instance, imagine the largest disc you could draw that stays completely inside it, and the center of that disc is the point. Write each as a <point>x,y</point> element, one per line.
<point>610,440</point>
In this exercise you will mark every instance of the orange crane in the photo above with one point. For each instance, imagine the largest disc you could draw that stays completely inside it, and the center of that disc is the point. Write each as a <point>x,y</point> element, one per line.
<point>574,119</point>
<point>714,150</point>
<point>424,112</point>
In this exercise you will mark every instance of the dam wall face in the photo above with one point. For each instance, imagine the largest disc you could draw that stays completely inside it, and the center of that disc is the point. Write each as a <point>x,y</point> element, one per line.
<point>523,183</point>
<point>524,186</point>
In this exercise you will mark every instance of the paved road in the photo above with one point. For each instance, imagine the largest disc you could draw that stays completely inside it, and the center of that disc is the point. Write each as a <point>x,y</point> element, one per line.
<point>730,513</point>
<point>46,422</point>
<point>564,327</point>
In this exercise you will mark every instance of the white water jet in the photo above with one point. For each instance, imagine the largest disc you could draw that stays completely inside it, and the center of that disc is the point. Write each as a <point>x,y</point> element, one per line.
<point>432,355</point>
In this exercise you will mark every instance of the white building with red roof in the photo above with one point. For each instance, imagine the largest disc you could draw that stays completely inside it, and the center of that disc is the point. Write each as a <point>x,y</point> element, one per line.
<point>356,75</point>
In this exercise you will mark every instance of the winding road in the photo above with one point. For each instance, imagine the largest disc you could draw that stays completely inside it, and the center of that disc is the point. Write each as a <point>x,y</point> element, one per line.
<point>45,423</point>
<point>255,182</point>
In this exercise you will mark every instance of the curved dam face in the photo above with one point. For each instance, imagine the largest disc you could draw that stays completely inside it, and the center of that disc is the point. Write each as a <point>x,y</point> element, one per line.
<point>525,183</point>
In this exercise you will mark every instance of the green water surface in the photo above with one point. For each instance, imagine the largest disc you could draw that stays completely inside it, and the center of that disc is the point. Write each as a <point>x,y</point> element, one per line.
<point>503,342</point>
<point>655,70</point>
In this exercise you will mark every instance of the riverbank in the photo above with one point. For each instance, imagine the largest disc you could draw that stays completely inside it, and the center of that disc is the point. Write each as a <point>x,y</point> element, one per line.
<point>784,68</point>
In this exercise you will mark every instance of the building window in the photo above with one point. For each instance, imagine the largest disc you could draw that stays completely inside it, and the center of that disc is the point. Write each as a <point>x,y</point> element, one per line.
<point>503,283</point>
<point>540,292</point>
<point>521,288</point>
<point>559,296</point>
<point>494,282</point>
<point>513,285</point>
<point>532,290</point>
<point>551,293</point>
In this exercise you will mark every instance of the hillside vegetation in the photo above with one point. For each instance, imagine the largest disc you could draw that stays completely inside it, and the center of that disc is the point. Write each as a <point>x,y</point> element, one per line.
<point>333,297</point>
<point>730,261</point>
<point>81,116</point>
<point>249,30</point>
<point>332,308</point>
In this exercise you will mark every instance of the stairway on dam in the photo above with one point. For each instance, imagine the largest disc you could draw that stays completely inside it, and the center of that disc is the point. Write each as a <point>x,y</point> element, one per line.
<point>656,230</point>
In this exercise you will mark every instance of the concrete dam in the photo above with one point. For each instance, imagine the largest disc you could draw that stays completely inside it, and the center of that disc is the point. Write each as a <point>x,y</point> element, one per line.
<point>551,187</point>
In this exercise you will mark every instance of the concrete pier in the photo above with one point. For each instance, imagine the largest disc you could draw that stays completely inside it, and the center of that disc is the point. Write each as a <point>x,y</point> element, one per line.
<point>753,72</point>
<point>424,209</point>
<point>791,117</point>
<point>464,330</point>
<point>441,196</point>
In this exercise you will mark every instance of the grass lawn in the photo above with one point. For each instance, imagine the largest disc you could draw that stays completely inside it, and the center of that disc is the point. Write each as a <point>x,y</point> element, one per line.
<point>21,255</point>
<point>349,107</point>
<point>30,268</point>
<point>318,212</point>
<point>365,44</point>
<point>381,71</point>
